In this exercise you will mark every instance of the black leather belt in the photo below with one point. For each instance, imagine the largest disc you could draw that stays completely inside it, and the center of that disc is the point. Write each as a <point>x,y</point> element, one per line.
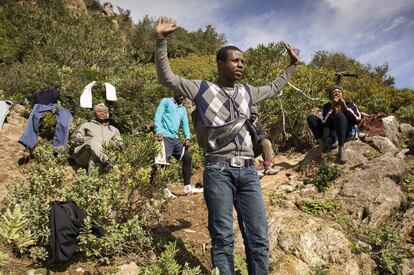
<point>235,161</point>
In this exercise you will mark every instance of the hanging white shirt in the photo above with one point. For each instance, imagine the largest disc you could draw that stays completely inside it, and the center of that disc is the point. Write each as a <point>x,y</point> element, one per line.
<point>86,96</point>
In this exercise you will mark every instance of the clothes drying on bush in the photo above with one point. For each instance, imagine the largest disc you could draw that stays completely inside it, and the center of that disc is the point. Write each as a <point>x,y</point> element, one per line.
<point>5,106</point>
<point>63,117</point>
<point>86,96</point>
<point>44,97</point>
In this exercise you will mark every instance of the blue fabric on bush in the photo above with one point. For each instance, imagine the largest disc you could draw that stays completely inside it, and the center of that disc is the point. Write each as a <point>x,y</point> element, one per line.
<point>63,117</point>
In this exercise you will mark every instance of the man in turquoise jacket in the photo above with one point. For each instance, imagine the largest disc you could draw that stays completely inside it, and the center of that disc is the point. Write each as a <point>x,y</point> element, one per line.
<point>168,117</point>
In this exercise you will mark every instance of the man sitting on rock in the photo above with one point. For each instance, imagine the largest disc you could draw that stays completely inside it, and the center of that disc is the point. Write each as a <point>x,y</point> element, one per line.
<point>263,146</point>
<point>90,137</point>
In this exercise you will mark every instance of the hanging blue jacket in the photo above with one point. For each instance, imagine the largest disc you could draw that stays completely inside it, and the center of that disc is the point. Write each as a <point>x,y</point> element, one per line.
<point>168,117</point>
<point>63,117</point>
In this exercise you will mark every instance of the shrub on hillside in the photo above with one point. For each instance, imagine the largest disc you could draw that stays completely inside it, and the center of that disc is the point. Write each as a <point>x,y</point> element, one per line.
<point>43,183</point>
<point>386,249</point>
<point>167,264</point>
<point>123,201</point>
<point>326,173</point>
<point>406,114</point>
<point>284,117</point>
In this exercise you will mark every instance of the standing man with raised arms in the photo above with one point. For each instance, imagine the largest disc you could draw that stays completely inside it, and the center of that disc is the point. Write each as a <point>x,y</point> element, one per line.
<point>223,131</point>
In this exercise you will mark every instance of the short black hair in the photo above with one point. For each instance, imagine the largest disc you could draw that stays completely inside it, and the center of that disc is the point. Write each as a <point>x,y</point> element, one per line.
<point>222,52</point>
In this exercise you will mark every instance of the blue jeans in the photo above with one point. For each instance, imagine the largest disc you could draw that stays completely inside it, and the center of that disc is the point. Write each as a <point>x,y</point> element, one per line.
<point>225,186</point>
<point>64,119</point>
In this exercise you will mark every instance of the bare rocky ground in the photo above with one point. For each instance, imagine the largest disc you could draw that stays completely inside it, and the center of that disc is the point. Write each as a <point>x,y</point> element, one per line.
<point>11,152</point>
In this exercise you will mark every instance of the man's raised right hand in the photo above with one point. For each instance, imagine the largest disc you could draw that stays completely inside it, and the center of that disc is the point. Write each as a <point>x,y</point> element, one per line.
<point>165,26</point>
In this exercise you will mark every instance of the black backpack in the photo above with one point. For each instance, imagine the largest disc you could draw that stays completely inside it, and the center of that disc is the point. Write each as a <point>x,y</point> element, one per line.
<point>66,220</point>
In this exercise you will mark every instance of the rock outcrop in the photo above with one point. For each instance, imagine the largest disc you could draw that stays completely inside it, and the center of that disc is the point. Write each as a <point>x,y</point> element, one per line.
<point>369,194</point>
<point>312,241</point>
<point>76,6</point>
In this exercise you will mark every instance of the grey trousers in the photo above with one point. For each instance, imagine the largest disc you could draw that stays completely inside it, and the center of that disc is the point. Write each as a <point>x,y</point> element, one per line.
<point>89,154</point>
<point>265,149</point>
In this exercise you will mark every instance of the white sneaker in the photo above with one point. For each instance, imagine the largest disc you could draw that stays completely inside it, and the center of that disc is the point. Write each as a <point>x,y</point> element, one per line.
<point>168,194</point>
<point>188,189</point>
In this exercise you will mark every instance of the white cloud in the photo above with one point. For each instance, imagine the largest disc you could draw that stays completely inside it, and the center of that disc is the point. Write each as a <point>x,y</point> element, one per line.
<point>368,10</point>
<point>383,52</point>
<point>395,23</point>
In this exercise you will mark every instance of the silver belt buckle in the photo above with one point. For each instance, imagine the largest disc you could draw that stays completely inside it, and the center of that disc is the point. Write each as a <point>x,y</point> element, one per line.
<point>237,162</point>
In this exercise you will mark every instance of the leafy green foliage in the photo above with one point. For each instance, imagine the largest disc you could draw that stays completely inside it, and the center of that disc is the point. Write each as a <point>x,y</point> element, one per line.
<point>370,154</point>
<point>339,62</point>
<point>44,45</point>
<point>240,265</point>
<point>44,41</point>
<point>3,259</point>
<point>320,270</point>
<point>326,173</point>
<point>47,125</point>
<point>121,239</point>
<point>43,183</point>
<point>14,229</point>
<point>181,42</point>
<point>408,182</point>
<point>316,208</point>
<point>386,248</point>
<point>166,264</point>
<point>406,114</point>
<point>123,201</point>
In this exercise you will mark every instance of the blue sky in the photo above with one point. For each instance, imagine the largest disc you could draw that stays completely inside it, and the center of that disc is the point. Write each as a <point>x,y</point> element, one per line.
<point>371,31</point>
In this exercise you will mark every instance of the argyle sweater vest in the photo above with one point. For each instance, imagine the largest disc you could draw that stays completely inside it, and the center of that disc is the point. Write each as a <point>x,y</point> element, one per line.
<point>215,108</point>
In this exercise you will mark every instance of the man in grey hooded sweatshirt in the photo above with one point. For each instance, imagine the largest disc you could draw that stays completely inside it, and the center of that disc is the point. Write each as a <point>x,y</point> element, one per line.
<point>90,137</point>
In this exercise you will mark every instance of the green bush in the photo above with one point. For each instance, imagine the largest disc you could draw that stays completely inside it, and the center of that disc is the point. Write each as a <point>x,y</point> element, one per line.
<point>371,154</point>
<point>166,264</point>
<point>43,183</point>
<point>284,117</point>
<point>14,230</point>
<point>3,259</point>
<point>327,172</point>
<point>316,208</point>
<point>122,201</point>
<point>240,265</point>
<point>386,249</point>
<point>47,125</point>
<point>406,114</point>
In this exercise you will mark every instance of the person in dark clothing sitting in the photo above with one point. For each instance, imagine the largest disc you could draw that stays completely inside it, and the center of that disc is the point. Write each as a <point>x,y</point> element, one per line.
<point>264,146</point>
<point>337,123</point>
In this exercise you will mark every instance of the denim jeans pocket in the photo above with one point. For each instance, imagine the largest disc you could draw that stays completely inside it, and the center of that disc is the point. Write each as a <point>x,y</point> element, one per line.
<point>252,170</point>
<point>214,168</point>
